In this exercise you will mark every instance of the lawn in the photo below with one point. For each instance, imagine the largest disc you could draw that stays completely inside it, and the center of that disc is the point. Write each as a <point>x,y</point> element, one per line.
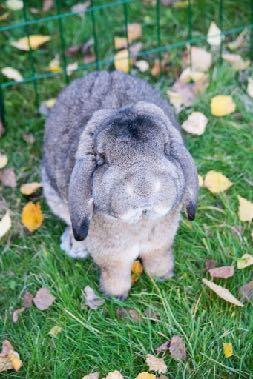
<point>98,340</point>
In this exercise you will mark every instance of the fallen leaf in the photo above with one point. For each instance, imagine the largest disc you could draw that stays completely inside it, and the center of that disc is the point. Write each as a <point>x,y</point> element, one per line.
<point>28,138</point>
<point>136,270</point>
<point>250,87</point>
<point>3,160</point>
<point>151,314</point>
<point>134,51</point>
<point>181,95</point>
<point>120,42</point>
<point>236,61</point>
<point>222,105</point>
<point>35,42</point>
<point>216,182</point>
<point>245,209</point>
<point>142,65</point>
<point>177,348</point>
<point>14,5</point>
<point>223,272</point>
<point>46,105</point>
<point>47,5</point>
<point>91,299</point>
<point>214,35</point>
<point>12,73</point>
<point>80,8</point>
<point>128,313</point>
<point>1,127</point>
<point>199,59</point>
<point>188,75</point>
<point>209,264</point>
<point>4,16</point>
<point>121,61</point>
<point>114,375</point>
<point>5,224</point>
<point>55,330</point>
<point>92,375</point>
<point>156,364</point>
<point>72,67</point>
<point>32,216</point>
<point>201,181</point>
<point>16,313</point>
<point>246,291</point>
<point>27,299</point>
<point>54,65</point>
<point>29,188</point>
<point>89,58</point>
<point>156,69</point>
<point>239,41</point>
<point>195,123</point>
<point>9,359</point>
<point>163,347</point>
<point>227,349</point>
<point>134,32</point>
<point>145,375</point>
<point>43,299</point>
<point>223,293</point>
<point>245,261</point>
<point>8,177</point>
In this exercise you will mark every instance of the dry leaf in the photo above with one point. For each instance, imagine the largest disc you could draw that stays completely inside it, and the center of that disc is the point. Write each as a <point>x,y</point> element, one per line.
<point>92,375</point>
<point>5,224</point>
<point>1,127</point>
<point>8,178</point>
<point>91,299</point>
<point>181,95</point>
<point>239,41</point>
<point>164,347</point>
<point>152,314</point>
<point>121,61</point>
<point>177,348</point>
<point>12,73</point>
<point>32,216</point>
<point>27,299</point>
<point>199,59</point>
<point>142,65</point>
<point>14,5</point>
<point>46,105</point>
<point>114,375</point>
<point>43,299</point>
<point>35,42</point>
<point>236,61</point>
<point>54,65</point>
<point>29,188</point>
<point>80,8</point>
<point>128,313</point>
<point>47,5</point>
<point>245,209</point>
<point>250,87</point>
<point>222,292</point>
<point>28,138</point>
<point>223,272</point>
<point>134,31</point>
<point>227,349</point>
<point>246,291</point>
<point>72,67</point>
<point>222,105</point>
<point>4,16</point>
<point>156,69</point>
<point>55,330</point>
<point>3,160</point>
<point>201,181</point>
<point>245,261</point>
<point>214,35</point>
<point>145,375</point>
<point>189,75</point>
<point>9,359</point>
<point>16,313</point>
<point>136,270</point>
<point>120,42</point>
<point>216,182</point>
<point>156,364</point>
<point>195,123</point>
<point>209,264</point>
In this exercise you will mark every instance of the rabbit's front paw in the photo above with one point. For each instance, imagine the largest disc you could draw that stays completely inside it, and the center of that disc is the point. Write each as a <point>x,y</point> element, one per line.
<point>72,247</point>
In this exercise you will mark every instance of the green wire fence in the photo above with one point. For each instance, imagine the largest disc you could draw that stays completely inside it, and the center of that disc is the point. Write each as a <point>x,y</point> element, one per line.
<point>61,17</point>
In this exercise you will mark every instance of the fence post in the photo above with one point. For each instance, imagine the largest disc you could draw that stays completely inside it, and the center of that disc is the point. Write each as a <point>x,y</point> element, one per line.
<point>2,113</point>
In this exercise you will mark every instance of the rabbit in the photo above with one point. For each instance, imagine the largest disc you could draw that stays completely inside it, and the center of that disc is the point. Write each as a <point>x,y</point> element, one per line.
<point>116,171</point>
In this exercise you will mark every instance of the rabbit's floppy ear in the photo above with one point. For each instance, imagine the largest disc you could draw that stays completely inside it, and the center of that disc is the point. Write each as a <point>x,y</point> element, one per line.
<point>80,185</point>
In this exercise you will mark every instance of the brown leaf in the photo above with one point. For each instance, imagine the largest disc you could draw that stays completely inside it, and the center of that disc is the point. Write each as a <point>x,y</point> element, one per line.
<point>28,138</point>
<point>156,69</point>
<point>210,263</point>
<point>181,95</point>
<point>43,299</point>
<point>92,375</point>
<point>29,188</point>
<point>222,292</point>
<point>156,364</point>
<point>114,375</point>
<point>177,348</point>
<point>223,272</point>
<point>246,291</point>
<point>8,178</point>
<point>128,313</point>
<point>151,314</point>
<point>9,359</point>
<point>16,313</point>
<point>47,5</point>
<point>73,50</point>
<point>27,299</point>
<point>163,347</point>
<point>134,31</point>
<point>91,299</point>
<point>136,271</point>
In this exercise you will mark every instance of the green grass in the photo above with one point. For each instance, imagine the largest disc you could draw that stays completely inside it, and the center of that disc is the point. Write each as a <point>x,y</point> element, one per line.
<point>98,340</point>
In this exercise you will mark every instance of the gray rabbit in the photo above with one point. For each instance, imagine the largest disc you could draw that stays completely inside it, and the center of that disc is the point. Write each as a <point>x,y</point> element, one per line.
<point>116,170</point>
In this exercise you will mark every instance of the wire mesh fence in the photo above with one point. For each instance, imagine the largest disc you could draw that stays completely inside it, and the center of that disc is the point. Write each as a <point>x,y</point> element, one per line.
<point>168,25</point>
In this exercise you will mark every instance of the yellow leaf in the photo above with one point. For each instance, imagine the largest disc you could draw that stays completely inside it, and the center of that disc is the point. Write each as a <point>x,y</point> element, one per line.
<point>216,182</point>
<point>15,361</point>
<point>50,102</point>
<point>245,261</point>
<point>223,293</point>
<point>228,349</point>
<point>201,181</point>
<point>54,64</point>
<point>137,270</point>
<point>3,160</point>
<point>5,224</point>
<point>11,73</point>
<point>134,32</point>
<point>145,375</point>
<point>55,330</point>
<point>245,209</point>
<point>9,359</point>
<point>29,188</point>
<point>222,105</point>
<point>35,42</point>
<point>32,216</point>
<point>121,61</point>
<point>120,42</point>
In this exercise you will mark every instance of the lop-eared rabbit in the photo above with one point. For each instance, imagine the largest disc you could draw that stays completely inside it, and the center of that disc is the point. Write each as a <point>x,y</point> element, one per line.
<point>116,170</point>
